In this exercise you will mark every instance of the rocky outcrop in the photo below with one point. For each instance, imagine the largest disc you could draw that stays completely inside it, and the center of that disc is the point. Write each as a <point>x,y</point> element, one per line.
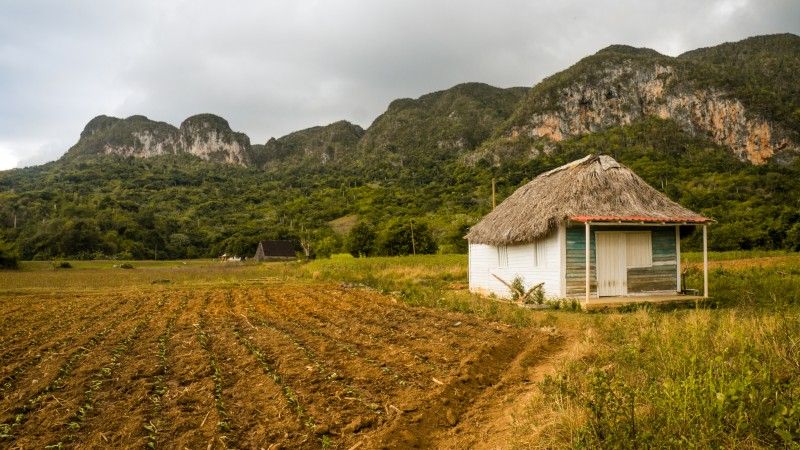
<point>206,136</point>
<point>621,93</point>
<point>319,145</point>
<point>210,137</point>
<point>443,123</point>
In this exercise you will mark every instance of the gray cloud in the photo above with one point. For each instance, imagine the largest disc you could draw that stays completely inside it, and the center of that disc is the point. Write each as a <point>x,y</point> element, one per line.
<point>274,67</point>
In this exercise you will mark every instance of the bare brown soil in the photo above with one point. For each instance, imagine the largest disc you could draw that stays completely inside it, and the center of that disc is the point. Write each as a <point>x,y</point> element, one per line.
<point>295,366</point>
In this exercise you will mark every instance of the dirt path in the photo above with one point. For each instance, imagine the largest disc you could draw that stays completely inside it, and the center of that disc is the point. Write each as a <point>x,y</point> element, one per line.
<point>480,407</point>
<point>492,420</point>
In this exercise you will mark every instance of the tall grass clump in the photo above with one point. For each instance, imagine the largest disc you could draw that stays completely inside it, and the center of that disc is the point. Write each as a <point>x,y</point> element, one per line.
<point>770,288</point>
<point>694,379</point>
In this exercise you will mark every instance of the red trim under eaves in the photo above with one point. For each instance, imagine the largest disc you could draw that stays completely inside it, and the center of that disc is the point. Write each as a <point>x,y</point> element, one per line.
<point>639,219</point>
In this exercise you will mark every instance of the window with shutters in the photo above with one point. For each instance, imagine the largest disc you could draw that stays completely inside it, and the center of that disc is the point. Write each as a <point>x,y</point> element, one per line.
<point>639,249</point>
<point>502,257</point>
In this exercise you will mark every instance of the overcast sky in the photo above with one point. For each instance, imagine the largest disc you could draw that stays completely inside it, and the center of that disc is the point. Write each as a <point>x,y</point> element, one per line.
<point>272,67</point>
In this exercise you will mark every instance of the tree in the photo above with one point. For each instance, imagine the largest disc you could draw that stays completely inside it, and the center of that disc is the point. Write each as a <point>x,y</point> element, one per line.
<point>454,240</point>
<point>81,238</point>
<point>178,245</point>
<point>8,259</point>
<point>361,240</point>
<point>793,237</point>
<point>403,236</point>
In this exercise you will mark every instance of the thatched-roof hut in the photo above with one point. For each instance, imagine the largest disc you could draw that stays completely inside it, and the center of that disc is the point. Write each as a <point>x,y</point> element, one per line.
<point>539,234</point>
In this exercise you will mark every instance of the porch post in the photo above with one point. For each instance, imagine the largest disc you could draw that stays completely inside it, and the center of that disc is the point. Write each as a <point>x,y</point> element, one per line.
<point>469,268</point>
<point>678,254</point>
<point>588,258</point>
<point>705,261</point>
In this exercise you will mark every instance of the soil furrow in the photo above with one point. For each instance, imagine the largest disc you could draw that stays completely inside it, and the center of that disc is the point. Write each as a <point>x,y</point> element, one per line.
<point>188,415</point>
<point>126,390</point>
<point>382,349</point>
<point>23,421</point>
<point>38,347</point>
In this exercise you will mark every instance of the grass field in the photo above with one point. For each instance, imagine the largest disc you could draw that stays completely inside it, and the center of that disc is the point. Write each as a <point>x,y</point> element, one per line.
<point>387,352</point>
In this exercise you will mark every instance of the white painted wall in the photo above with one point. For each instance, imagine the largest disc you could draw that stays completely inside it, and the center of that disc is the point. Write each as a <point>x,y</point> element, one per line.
<point>483,264</point>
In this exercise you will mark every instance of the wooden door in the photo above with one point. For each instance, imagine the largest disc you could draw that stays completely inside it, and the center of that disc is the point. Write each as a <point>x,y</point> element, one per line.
<point>612,272</point>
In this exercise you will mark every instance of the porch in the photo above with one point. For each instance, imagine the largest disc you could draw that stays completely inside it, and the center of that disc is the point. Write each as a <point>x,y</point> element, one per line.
<point>595,304</point>
<point>610,262</point>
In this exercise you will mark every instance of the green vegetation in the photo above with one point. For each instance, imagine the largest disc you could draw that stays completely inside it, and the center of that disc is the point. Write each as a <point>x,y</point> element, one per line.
<point>181,207</point>
<point>361,240</point>
<point>309,147</point>
<point>424,161</point>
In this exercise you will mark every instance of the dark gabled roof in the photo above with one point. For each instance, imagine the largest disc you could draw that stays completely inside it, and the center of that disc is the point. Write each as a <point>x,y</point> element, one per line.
<point>280,248</point>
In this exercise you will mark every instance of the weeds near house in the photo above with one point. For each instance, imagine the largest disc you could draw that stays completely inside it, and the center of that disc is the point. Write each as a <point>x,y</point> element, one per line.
<point>694,378</point>
<point>519,294</point>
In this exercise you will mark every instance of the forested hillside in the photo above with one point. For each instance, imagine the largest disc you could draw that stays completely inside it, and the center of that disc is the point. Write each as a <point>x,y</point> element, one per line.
<point>134,188</point>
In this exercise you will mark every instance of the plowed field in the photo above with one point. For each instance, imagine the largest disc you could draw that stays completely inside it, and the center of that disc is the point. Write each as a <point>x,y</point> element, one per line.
<point>290,366</point>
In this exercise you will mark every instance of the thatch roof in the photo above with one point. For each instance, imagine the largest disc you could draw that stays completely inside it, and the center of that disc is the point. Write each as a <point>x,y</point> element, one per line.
<point>595,188</point>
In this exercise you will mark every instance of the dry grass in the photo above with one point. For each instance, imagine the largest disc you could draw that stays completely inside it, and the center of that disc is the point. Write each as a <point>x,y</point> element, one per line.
<point>344,224</point>
<point>98,276</point>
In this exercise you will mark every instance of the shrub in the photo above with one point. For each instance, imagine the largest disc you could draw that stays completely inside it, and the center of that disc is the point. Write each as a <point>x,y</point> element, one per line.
<point>404,237</point>
<point>126,266</point>
<point>361,240</point>
<point>326,246</point>
<point>8,259</point>
<point>530,296</point>
<point>62,265</point>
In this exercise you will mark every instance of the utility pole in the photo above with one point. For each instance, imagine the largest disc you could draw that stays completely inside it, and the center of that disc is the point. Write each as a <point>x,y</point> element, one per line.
<point>413,244</point>
<point>494,200</point>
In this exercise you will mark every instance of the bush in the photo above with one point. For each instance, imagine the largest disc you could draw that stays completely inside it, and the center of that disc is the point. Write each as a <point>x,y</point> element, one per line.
<point>124,255</point>
<point>404,237</point>
<point>8,259</point>
<point>326,246</point>
<point>361,240</point>
<point>529,296</point>
<point>62,265</point>
<point>126,266</point>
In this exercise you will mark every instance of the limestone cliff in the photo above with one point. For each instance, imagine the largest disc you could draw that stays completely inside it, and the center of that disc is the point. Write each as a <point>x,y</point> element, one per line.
<point>211,138</point>
<point>620,84</point>
<point>206,136</point>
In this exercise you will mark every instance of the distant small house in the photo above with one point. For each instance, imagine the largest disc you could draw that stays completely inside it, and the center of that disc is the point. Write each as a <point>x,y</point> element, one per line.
<point>275,250</point>
<point>589,229</point>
